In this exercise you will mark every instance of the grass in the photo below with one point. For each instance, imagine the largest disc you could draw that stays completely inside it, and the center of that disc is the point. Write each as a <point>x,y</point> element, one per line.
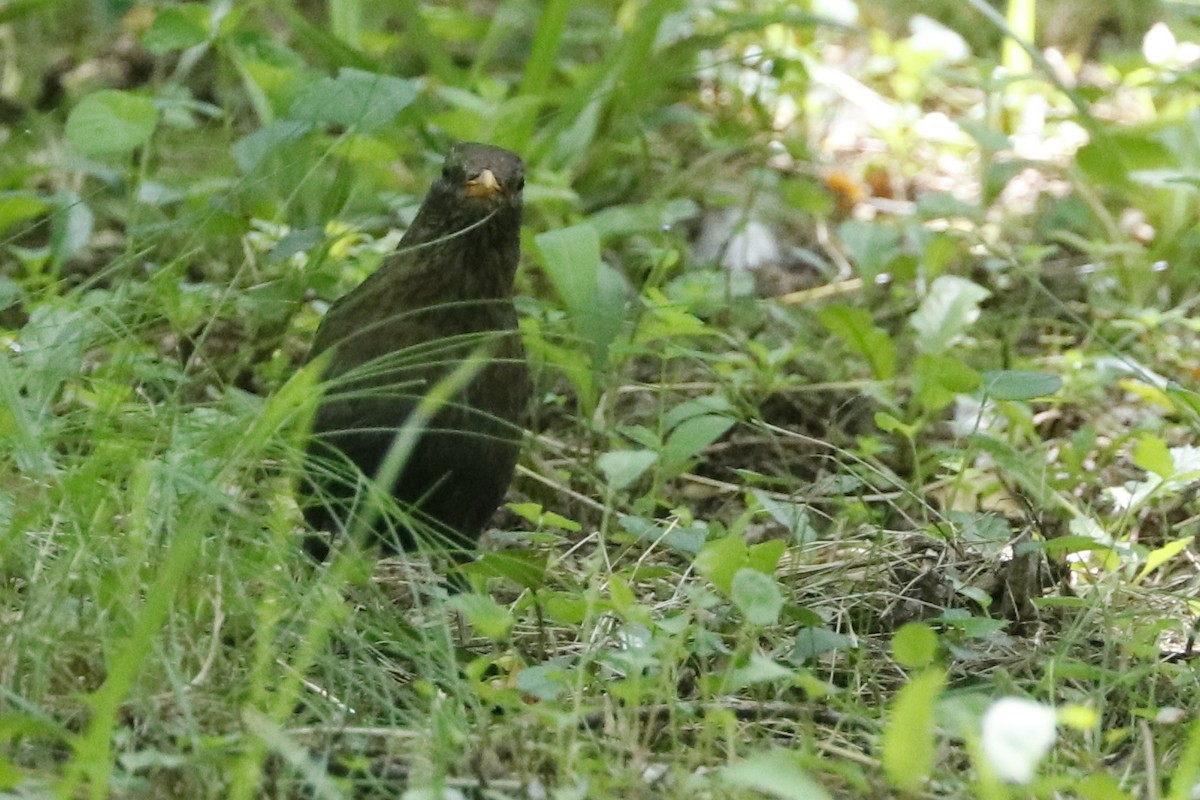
<point>788,532</point>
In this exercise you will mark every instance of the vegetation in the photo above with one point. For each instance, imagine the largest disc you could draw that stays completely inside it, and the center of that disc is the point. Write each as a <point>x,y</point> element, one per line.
<point>862,461</point>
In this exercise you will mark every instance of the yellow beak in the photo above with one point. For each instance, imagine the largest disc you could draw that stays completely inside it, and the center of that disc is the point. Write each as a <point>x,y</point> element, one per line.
<point>483,185</point>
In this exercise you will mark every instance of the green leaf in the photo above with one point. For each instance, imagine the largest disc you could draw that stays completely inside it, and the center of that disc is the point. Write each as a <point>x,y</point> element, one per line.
<point>889,424</point>
<point>813,642</point>
<point>251,150</point>
<point>765,556</point>
<point>720,560</point>
<point>908,742</point>
<point>761,669</point>
<point>572,259</point>
<point>354,99</point>
<point>111,122</point>
<point>1161,555</point>
<point>1151,454</point>
<point>178,28</point>
<point>778,773</point>
<point>792,516</point>
<point>939,379</point>
<point>20,206</point>
<point>1098,786</point>
<point>623,467</point>
<point>648,218</point>
<point>686,540</point>
<point>855,327</point>
<point>523,567</point>
<point>940,205</point>
<point>690,438</point>
<point>593,292</point>
<point>72,226</point>
<point>486,616</point>
<point>1109,159</point>
<point>1013,384</point>
<point>757,596</point>
<point>543,681</point>
<point>948,310</point>
<point>567,609</point>
<point>871,246</point>
<point>915,645</point>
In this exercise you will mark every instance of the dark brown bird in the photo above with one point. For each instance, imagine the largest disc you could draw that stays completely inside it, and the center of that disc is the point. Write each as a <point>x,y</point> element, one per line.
<point>443,297</point>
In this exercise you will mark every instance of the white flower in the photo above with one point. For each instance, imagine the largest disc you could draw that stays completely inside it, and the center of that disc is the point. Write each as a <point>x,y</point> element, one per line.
<point>1017,734</point>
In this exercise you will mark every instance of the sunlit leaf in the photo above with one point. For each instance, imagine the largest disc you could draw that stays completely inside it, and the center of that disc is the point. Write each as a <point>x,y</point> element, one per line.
<point>914,645</point>
<point>949,309</point>
<point>485,615</point>
<point>110,122</point>
<point>1013,384</point>
<point>776,774</point>
<point>757,596</point>
<point>856,328</point>
<point>623,467</point>
<point>177,28</point>
<point>354,99</point>
<point>908,740</point>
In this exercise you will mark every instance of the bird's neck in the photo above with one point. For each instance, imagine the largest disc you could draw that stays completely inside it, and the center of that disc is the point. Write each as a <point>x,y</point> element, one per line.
<point>478,257</point>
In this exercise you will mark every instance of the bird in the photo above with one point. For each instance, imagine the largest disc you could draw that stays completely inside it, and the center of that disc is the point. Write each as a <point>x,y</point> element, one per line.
<point>445,296</point>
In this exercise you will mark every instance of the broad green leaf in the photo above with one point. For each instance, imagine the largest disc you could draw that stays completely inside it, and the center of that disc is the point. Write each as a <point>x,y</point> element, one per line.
<point>354,99</point>
<point>1151,454</point>
<point>761,669</point>
<point>250,150</point>
<point>720,560</point>
<point>72,226</point>
<point>539,516</point>
<point>889,424</point>
<point>623,598</point>
<point>940,205</point>
<point>792,516</point>
<point>1109,159</point>
<point>948,310</point>
<point>178,28</point>
<point>778,773</point>
<point>544,681</point>
<point>629,220</point>
<point>1161,555</point>
<point>812,642</point>
<point>572,259</point>
<point>765,556</point>
<point>915,645</point>
<point>567,609</point>
<point>111,122</point>
<point>757,596</point>
<point>871,246</point>
<point>1099,786</point>
<point>706,404</point>
<point>690,438</point>
<point>623,467</point>
<point>940,379</point>
<point>908,740</point>
<point>593,292</point>
<point>20,206</point>
<point>855,327</point>
<point>1015,384</point>
<point>523,567</point>
<point>687,540</point>
<point>486,616</point>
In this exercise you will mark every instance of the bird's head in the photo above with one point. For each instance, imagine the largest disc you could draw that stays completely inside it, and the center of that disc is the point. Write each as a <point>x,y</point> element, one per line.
<point>481,178</point>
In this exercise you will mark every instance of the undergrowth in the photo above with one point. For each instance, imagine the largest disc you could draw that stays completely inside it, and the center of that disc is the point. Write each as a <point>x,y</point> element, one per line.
<point>865,400</point>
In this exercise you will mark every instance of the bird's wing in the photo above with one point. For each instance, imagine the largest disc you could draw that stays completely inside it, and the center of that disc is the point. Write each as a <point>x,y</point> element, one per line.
<point>374,303</point>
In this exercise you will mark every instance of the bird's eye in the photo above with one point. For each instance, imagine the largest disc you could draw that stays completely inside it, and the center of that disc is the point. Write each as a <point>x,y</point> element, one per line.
<point>521,183</point>
<point>446,171</point>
